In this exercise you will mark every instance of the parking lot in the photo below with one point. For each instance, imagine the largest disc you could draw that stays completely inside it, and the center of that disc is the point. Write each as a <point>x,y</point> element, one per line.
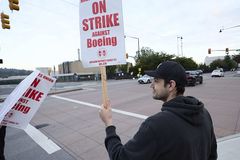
<point>71,119</point>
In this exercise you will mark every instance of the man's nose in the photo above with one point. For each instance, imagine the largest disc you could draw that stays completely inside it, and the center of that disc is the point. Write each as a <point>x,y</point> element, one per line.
<point>151,85</point>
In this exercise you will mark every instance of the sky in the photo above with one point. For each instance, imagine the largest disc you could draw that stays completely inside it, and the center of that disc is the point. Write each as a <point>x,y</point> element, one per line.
<point>45,33</point>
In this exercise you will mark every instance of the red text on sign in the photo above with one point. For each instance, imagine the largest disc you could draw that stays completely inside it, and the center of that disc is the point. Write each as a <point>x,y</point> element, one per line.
<point>33,94</point>
<point>99,7</point>
<point>105,21</point>
<point>47,78</point>
<point>22,100</point>
<point>84,1</point>
<point>104,41</point>
<point>35,82</point>
<point>100,33</point>
<point>21,108</point>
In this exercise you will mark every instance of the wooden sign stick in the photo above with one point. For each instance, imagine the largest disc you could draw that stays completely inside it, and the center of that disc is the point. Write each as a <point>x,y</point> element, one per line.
<point>104,85</point>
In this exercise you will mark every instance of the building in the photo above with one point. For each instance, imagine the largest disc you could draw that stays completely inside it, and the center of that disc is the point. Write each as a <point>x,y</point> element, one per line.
<point>76,67</point>
<point>45,70</point>
<point>74,71</point>
<point>209,60</point>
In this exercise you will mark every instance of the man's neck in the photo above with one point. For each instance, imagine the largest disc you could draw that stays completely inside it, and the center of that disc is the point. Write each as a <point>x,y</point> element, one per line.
<point>171,96</point>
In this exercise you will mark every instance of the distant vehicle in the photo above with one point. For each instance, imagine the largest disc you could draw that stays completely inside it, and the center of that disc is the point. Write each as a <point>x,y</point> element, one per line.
<point>238,71</point>
<point>217,73</point>
<point>193,77</point>
<point>145,79</point>
<point>199,71</point>
<point>221,69</point>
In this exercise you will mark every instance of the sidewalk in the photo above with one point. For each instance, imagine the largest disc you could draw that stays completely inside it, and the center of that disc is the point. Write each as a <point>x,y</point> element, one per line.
<point>20,146</point>
<point>229,147</point>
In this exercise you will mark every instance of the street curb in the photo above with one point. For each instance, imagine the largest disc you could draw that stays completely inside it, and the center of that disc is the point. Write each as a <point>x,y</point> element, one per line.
<point>64,91</point>
<point>219,140</point>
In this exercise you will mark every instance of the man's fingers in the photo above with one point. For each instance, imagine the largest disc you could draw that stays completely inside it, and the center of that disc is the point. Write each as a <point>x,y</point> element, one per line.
<point>107,104</point>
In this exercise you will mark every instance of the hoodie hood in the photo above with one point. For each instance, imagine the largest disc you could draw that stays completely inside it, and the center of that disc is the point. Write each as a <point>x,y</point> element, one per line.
<point>187,108</point>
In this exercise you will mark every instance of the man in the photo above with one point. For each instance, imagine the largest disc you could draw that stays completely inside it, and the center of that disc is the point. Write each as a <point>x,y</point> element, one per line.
<point>2,141</point>
<point>182,131</point>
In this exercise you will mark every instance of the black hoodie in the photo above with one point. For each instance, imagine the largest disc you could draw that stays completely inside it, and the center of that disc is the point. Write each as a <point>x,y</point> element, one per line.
<point>182,131</point>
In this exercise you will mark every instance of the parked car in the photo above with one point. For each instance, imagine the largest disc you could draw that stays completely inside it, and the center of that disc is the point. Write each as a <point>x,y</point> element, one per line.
<point>145,79</point>
<point>193,77</point>
<point>217,73</point>
<point>199,71</point>
<point>238,71</point>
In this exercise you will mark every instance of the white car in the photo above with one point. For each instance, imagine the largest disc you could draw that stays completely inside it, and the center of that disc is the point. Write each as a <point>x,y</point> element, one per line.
<point>217,73</point>
<point>145,79</point>
<point>238,71</point>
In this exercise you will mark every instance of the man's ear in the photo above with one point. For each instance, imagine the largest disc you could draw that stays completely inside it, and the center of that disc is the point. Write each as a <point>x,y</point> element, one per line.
<point>172,85</point>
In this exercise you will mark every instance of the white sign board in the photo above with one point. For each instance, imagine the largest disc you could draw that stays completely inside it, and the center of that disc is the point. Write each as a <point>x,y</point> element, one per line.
<point>21,105</point>
<point>102,33</point>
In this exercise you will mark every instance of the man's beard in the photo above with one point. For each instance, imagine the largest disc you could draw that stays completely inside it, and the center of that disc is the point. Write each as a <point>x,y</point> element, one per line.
<point>163,96</point>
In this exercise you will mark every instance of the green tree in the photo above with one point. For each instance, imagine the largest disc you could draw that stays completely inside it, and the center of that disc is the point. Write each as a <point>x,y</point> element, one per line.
<point>122,68</point>
<point>204,68</point>
<point>236,58</point>
<point>187,63</point>
<point>148,59</point>
<point>229,63</point>
<point>217,64</point>
<point>111,69</point>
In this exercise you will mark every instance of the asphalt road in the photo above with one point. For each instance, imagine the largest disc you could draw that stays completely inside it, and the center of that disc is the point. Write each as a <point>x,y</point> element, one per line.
<point>71,119</point>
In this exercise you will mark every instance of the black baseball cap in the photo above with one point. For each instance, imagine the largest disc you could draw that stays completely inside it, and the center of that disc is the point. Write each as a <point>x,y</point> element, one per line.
<point>170,70</point>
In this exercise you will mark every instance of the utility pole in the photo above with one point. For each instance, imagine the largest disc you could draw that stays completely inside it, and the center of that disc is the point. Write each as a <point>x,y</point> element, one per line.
<point>78,54</point>
<point>182,46</point>
<point>177,47</point>
<point>179,37</point>
<point>137,40</point>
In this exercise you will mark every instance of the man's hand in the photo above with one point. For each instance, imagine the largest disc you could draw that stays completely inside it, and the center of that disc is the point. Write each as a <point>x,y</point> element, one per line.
<point>105,114</point>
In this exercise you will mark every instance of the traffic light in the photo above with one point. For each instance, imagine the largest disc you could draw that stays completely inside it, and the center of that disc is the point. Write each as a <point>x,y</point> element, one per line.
<point>1,61</point>
<point>5,21</point>
<point>126,55</point>
<point>227,50</point>
<point>209,50</point>
<point>13,5</point>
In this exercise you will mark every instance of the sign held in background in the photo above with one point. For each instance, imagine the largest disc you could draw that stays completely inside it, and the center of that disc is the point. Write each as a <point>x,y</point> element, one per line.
<point>22,104</point>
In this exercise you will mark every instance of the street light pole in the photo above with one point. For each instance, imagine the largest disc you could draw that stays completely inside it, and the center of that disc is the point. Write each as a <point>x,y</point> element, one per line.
<point>137,40</point>
<point>78,54</point>
<point>221,30</point>
<point>181,45</point>
<point>177,47</point>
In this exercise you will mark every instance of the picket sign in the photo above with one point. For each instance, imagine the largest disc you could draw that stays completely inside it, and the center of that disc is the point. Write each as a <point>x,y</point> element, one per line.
<point>102,36</point>
<point>24,101</point>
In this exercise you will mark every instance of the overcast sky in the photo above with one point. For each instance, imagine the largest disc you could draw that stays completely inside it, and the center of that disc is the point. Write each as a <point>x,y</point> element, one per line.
<point>45,33</point>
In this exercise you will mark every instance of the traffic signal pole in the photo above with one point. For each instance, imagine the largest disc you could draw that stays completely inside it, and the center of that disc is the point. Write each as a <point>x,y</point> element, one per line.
<point>221,50</point>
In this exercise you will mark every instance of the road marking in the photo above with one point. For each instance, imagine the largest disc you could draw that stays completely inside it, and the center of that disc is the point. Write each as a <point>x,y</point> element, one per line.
<point>135,115</point>
<point>48,145</point>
